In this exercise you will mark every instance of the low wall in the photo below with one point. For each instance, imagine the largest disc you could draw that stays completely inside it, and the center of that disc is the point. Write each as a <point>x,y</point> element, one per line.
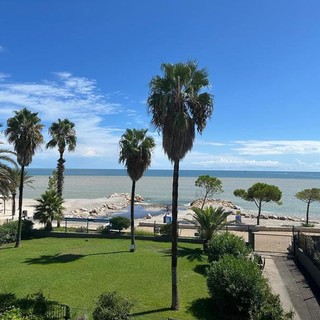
<point>240,227</point>
<point>46,234</point>
<point>307,264</point>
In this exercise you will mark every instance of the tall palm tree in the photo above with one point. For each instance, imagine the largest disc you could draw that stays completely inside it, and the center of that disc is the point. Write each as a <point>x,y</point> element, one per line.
<point>135,154</point>
<point>63,135</point>
<point>13,181</point>
<point>49,207</point>
<point>178,106</point>
<point>24,131</point>
<point>209,220</point>
<point>5,162</point>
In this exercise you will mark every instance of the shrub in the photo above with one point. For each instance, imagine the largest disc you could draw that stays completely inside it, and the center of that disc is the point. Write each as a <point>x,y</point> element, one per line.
<point>103,229</point>
<point>119,223</point>
<point>111,306</point>
<point>236,286</point>
<point>15,314</point>
<point>226,243</point>
<point>34,306</point>
<point>80,229</point>
<point>8,231</point>
<point>26,230</point>
<point>271,308</point>
<point>166,229</point>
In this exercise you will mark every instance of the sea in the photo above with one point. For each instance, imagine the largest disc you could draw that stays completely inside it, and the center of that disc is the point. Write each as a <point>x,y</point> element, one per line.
<point>156,187</point>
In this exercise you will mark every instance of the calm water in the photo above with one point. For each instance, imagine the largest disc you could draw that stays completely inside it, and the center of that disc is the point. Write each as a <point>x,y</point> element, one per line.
<point>156,186</point>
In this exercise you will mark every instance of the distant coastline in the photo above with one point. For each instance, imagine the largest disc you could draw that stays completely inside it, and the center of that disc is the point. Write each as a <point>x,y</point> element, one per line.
<point>184,173</point>
<point>156,185</point>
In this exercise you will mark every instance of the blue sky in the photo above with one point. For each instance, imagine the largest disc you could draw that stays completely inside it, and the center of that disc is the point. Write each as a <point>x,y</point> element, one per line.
<point>92,61</point>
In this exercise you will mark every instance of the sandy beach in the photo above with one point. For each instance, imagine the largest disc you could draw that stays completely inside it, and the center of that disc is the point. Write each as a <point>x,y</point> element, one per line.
<point>115,203</point>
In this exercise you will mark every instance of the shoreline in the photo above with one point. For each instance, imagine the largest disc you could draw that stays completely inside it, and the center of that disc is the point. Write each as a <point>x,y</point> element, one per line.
<point>118,203</point>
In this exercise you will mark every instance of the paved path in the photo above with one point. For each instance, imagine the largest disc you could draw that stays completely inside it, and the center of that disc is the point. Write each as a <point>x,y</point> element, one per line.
<point>297,292</point>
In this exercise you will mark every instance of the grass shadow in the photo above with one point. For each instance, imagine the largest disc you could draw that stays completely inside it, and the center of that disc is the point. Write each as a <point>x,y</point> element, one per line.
<point>201,269</point>
<point>191,254</point>
<point>137,314</point>
<point>57,258</point>
<point>64,258</point>
<point>202,309</point>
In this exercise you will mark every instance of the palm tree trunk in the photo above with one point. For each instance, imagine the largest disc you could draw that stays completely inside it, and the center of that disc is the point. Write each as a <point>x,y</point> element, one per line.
<point>13,195</point>
<point>174,253</point>
<point>60,168</point>
<point>18,240</point>
<point>48,226</point>
<point>133,245</point>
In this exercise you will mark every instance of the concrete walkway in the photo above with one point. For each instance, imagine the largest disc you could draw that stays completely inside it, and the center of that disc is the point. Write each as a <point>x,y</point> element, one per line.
<point>296,291</point>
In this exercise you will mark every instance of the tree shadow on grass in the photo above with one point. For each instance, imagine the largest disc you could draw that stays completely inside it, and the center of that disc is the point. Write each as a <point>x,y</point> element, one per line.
<point>191,254</point>
<point>137,314</point>
<point>64,258</point>
<point>201,269</point>
<point>202,309</point>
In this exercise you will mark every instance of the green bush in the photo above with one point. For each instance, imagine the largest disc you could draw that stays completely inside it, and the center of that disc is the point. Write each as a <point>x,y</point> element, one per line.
<point>103,229</point>
<point>166,229</point>
<point>26,230</point>
<point>15,314</point>
<point>80,229</point>
<point>226,243</point>
<point>119,223</point>
<point>111,306</point>
<point>236,286</point>
<point>34,306</point>
<point>271,308</point>
<point>8,231</point>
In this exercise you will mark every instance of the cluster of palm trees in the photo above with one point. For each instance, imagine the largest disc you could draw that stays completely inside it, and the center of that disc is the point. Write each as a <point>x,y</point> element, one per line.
<point>24,131</point>
<point>179,107</point>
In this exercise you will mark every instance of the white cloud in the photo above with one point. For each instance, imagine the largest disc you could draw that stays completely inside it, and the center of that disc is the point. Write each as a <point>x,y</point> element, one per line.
<point>277,147</point>
<point>2,49</point>
<point>207,161</point>
<point>79,100</point>
<point>209,143</point>
<point>4,76</point>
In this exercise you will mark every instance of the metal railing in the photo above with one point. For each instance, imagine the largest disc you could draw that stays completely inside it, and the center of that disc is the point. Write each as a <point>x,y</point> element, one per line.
<point>58,312</point>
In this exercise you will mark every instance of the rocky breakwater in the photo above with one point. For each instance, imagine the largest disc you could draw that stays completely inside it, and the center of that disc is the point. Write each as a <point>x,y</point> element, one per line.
<point>227,205</point>
<point>113,203</point>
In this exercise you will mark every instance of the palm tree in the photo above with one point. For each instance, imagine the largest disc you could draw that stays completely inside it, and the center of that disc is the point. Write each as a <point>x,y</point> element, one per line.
<point>24,131</point>
<point>49,207</point>
<point>178,106</point>
<point>209,220</point>
<point>5,161</point>
<point>135,154</point>
<point>13,181</point>
<point>62,135</point>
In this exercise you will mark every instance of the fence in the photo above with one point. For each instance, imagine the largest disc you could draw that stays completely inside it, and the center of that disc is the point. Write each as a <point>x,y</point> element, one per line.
<point>306,250</point>
<point>59,312</point>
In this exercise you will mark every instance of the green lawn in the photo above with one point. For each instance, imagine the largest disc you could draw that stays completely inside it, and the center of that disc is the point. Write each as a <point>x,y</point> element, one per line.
<point>76,271</point>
